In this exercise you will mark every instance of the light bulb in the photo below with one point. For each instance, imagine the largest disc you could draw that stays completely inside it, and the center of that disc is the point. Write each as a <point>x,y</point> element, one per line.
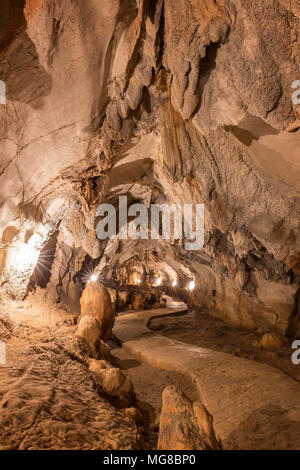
<point>93,278</point>
<point>174,283</point>
<point>25,257</point>
<point>192,285</point>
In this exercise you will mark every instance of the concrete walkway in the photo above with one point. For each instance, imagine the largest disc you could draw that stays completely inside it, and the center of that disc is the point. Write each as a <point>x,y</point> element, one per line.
<point>254,406</point>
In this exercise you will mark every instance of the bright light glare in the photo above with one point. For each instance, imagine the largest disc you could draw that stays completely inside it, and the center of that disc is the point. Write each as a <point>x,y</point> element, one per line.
<point>138,281</point>
<point>159,281</point>
<point>35,240</point>
<point>174,283</point>
<point>192,285</point>
<point>93,278</point>
<point>26,256</point>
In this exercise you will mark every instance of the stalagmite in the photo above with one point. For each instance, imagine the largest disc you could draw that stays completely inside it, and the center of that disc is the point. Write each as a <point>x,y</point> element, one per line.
<point>95,301</point>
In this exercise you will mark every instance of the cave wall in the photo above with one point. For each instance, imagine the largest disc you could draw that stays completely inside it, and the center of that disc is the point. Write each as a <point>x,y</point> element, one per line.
<point>163,101</point>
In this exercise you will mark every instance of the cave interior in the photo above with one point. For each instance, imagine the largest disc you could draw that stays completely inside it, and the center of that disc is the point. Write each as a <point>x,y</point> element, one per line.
<point>175,332</point>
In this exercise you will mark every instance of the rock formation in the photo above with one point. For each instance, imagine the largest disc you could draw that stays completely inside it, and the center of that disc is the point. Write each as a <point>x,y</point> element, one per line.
<point>184,425</point>
<point>272,341</point>
<point>115,382</point>
<point>95,302</point>
<point>161,101</point>
<point>89,329</point>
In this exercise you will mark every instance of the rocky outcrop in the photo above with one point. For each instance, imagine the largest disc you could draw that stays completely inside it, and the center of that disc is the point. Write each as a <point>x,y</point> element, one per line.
<point>272,341</point>
<point>184,425</point>
<point>162,101</point>
<point>89,329</point>
<point>95,301</point>
<point>115,382</point>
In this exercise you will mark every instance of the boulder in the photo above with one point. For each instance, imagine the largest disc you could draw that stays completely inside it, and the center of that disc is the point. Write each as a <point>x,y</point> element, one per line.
<point>95,301</point>
<point>135,415</point>
<point>122,300</point>
<point>89,329</point>
<point>138,302</point>
<point>117,384</point>
<point>272,341</point>
<point>98,365</point>
<point>104,351</point>
<point>157,305</point>
<point>184,425</point>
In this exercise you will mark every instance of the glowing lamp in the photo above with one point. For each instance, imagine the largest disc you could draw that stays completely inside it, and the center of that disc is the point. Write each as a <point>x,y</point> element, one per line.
<point>25,257</point>
<point>174,284</point>
<point>93,278</point>
<point>159,281</point>
<point>192,285</point>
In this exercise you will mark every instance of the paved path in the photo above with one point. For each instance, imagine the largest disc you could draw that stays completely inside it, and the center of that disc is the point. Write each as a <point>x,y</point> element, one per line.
<point>254,406</point>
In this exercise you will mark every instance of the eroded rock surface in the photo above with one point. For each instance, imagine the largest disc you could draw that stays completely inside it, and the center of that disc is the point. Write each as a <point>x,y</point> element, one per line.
<point>96,302</point>
<point>89,329</point>
<point>184,425</point>
<point>50,400</point>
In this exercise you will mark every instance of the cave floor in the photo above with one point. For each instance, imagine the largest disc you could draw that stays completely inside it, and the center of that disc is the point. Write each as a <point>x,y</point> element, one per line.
<point>254,405</point>
<point>50,400</point>
<point>201,329</point>
<point>48,397</point>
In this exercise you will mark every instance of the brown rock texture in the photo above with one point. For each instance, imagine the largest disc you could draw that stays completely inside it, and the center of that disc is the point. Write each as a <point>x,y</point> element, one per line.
<point>89,329</point>
<point>117,384</point>
<point>31,8</point>
<point>272,341</point>
<point>184,425</point>
<point>95,301</point>
<point>114,381</point>
<point>51,400</point>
